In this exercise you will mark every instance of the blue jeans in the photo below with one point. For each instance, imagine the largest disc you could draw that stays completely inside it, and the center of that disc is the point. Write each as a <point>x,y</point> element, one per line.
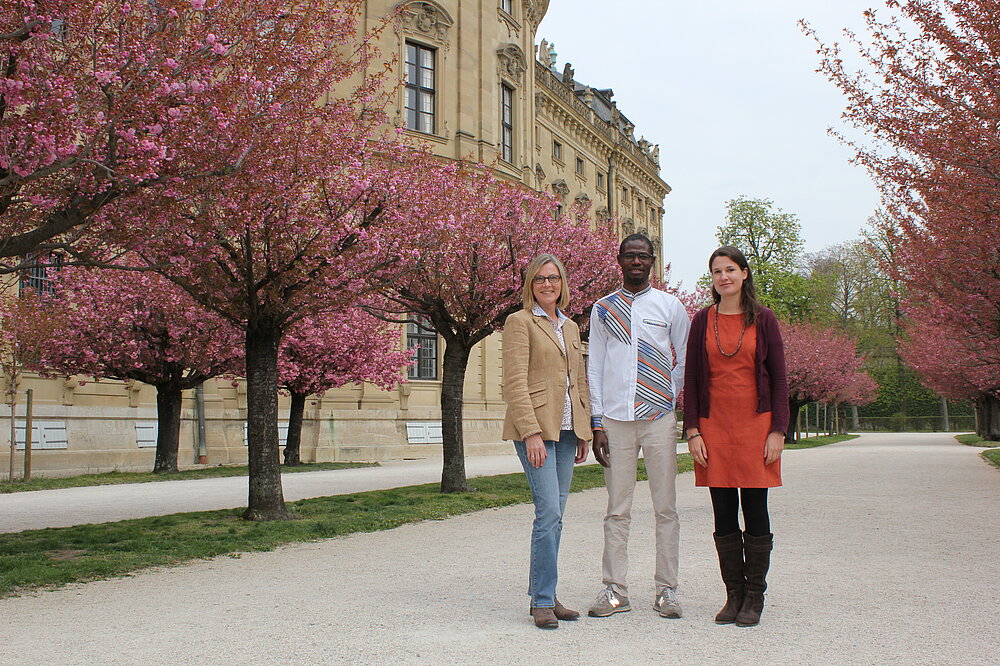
<point>549,490</point>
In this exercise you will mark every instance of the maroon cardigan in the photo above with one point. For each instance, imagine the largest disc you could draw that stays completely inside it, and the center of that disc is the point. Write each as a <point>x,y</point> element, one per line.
<point>772,382</point>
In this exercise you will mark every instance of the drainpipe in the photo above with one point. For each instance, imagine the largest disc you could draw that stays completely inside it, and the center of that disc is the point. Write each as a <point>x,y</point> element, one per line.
<point>199,405</point>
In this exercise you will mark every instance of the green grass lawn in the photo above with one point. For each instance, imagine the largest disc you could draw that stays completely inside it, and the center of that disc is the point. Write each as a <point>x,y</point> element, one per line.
<point>57,556</point>
<point>992,455</point>
<point>973,439</point>
<point>112,478</point>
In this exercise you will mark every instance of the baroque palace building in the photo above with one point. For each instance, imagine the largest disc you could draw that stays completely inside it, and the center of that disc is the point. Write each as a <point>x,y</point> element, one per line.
<point>475,85</point>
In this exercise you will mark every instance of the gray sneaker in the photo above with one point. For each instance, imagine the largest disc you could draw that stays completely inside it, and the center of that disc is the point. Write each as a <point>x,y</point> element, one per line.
<point>609,602</point>
<point>666,603</point>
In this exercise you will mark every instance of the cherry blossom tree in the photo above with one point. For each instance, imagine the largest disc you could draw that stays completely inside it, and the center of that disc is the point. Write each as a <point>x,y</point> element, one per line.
<point>692,300</point>
<point>927,98</point>
<point>104,99</point>
<point>939,351</point>
<point>822,365</point>
<point>203,135</point>
<point>134,327</point>
<point>472,242</point>
<point>308,218</point>
<point>331,350</point>
<point>20,328</point>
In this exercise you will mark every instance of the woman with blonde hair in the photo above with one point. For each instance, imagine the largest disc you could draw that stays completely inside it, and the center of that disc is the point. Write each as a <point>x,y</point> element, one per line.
<point>548,417</point>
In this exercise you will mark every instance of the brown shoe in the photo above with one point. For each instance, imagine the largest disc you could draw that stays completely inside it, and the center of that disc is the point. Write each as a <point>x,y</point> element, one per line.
<point>545,618</point>
<point>563,613</point>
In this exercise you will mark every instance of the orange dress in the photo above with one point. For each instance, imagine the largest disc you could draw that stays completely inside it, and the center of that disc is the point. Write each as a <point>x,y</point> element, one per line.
<point>734,433</point>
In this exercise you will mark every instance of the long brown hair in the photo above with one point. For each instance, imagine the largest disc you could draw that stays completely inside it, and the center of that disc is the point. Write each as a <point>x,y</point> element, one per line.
<point>748,294</point>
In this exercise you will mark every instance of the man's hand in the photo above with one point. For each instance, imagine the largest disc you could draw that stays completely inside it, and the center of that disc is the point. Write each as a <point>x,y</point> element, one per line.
<point>600,447</point>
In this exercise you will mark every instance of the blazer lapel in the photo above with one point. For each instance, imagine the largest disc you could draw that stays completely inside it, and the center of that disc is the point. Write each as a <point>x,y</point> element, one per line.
<point>546,326</point>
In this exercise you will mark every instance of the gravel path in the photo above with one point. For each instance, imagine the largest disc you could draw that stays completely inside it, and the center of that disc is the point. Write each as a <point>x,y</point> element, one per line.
<point>885,552</point>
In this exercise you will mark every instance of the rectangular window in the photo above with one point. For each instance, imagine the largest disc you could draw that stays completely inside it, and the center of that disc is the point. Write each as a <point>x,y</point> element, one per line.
<point>420,88</point>
<point>507,123</point>
<point>557,214</point>
<point>580,166</point>
<point>424,339</point>
<point>600,180</point>
<point>625,195</point>
<point>39,278</point>
<point>507,6</point>
<point>556,150</point>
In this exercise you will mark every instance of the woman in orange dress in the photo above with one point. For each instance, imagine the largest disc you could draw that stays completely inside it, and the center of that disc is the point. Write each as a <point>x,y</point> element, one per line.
<point>736,415</point>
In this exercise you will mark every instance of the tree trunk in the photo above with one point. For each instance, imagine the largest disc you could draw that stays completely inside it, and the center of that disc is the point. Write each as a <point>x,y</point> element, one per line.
<point>456,359</point>
<point>988,417</point>
<point>855,423</point>
<point>168,427</point>
<point>294,439</point>
<point>793,421</point>
<point>265,500</point>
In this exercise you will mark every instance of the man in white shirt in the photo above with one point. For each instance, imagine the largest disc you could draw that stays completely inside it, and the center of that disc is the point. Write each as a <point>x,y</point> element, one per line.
<point>638,343</point>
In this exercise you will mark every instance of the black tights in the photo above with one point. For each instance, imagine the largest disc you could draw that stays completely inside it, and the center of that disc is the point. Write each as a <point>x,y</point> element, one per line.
<point>726,504</point>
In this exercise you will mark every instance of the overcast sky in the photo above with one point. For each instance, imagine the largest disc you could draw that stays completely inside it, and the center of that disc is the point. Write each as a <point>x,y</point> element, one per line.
<point>728,89</point>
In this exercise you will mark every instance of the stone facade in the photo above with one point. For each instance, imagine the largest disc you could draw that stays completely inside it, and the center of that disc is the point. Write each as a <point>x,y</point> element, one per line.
<point>493,97</point>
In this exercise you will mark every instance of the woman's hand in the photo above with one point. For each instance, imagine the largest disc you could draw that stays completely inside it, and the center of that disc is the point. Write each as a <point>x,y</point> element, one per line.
<point>536,450</point>
<point>696,445</point>
<point>582,449</point>
<point>773,447</point>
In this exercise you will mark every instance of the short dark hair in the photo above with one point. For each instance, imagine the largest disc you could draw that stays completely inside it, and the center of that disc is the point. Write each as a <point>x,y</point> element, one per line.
<point>637,237</point>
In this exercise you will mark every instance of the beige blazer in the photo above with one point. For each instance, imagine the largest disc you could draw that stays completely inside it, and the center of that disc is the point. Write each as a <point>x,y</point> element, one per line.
<point>534,378</point>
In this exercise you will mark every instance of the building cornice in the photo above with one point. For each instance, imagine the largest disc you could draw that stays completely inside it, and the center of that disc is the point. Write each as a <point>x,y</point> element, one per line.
<point>558,97</point>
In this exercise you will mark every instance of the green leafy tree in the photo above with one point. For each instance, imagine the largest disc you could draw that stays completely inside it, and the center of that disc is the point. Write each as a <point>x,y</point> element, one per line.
<point>771,239</point>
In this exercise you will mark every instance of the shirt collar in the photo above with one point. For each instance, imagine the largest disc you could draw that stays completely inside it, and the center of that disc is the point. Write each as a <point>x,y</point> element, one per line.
<point>560,317</point>
<point>630,295</point>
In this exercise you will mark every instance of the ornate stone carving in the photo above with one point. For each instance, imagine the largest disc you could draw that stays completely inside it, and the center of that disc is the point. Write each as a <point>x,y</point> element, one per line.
<point>582,198</point>
<point>427,19</point>
<point>547,54</point>
<point>628,226</point>
<point>603,214</point>
<point>560,188</point>
<point>511,62</point>
<point>657,246</point>
<point>539,175</point>
<point>533,12</point>
<point>568,74</point>
<point>644,231</point>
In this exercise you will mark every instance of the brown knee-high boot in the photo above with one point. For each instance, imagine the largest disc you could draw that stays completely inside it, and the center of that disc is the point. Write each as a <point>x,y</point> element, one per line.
<point>758,559</point>
<point>730,549</point>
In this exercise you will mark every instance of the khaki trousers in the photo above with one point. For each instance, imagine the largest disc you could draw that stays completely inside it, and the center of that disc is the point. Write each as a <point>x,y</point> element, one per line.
<point>658,442</point>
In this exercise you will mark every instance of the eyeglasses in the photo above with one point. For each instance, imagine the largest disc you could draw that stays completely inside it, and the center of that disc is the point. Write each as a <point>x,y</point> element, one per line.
<point>641,256</point>
<point>551,279</point>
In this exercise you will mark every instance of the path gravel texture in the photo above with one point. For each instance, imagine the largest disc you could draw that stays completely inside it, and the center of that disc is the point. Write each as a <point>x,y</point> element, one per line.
<point>886,552</point>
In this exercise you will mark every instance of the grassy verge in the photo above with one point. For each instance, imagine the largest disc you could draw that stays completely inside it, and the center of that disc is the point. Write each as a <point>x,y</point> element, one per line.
<point>975,440</point>
<point>112,478</point>
<point>992,456</point>
<point>810,442</point>
<point>57,556</point>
